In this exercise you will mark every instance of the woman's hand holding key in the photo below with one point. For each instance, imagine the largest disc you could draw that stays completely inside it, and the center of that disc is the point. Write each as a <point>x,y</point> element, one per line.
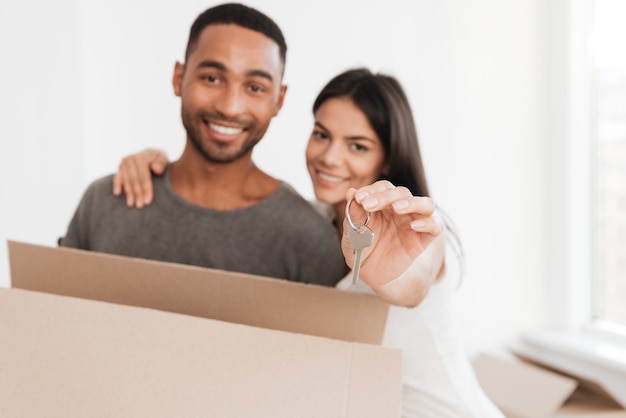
<point>407,255</point>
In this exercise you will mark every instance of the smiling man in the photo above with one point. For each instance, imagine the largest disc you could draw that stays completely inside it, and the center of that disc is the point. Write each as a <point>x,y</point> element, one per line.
<point>214,207</point>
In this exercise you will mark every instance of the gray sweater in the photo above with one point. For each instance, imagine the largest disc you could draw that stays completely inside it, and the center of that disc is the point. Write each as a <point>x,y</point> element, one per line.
<point>281,236</point>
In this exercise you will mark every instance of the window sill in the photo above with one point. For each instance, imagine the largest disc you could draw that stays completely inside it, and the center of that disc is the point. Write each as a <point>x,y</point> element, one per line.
<point>585,355</point>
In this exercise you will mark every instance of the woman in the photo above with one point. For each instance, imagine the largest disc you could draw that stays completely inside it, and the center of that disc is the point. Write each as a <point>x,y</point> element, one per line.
<point>364,147</point>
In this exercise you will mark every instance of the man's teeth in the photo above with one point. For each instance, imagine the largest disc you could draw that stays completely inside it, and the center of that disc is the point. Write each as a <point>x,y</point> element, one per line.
<point>326,177</point>
<point>225,130</point>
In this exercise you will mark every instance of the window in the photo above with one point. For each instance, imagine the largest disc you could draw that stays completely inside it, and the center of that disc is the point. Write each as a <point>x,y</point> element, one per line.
<point>586,330</point>
<point>609,181</point>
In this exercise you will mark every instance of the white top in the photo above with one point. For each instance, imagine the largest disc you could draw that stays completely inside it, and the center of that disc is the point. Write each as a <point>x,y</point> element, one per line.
<point>437,376</point>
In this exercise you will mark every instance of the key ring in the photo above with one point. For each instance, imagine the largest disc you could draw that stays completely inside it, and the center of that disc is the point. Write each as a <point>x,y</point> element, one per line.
<point>352,225</point>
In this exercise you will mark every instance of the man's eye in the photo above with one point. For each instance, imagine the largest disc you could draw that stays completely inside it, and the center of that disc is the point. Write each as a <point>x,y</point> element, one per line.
<point>210,78</point>
<point>256,88</point>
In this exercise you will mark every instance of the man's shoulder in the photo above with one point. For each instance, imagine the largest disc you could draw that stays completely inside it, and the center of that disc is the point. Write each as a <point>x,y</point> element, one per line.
<point>287,192</point>
<point>290,199</point>
<point>101,183</point>
<point>98,196</point>
<point>103,186</point>
<point>298,214</point>
<point>100,187</point>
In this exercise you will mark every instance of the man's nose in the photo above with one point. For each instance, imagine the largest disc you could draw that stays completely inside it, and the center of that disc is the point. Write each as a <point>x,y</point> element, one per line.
<point>231,102</point>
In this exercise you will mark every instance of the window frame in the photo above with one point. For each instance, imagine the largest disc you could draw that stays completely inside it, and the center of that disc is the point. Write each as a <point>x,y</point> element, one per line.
<point>572,340</point>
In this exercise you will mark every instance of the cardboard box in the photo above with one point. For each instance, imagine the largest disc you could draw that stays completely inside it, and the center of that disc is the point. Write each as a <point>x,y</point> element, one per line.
<point>525,389</point>
<point>208,293</point>
<point>159,339</point>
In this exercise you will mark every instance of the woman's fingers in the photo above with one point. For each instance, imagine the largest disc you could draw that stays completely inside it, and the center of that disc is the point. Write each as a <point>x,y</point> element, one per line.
<point>432,225</point>
<point>376,187</point>
<point>117,184</point>
<point>134,176</point>
<point>124,177</point>
<point>158,162</point>
<point>136,168</point>
<point>398,198</point>
<point>419,212</point>
<point>149,161</point>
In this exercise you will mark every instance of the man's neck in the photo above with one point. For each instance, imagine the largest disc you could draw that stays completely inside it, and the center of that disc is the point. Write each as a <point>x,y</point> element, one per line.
<point>218,186</point>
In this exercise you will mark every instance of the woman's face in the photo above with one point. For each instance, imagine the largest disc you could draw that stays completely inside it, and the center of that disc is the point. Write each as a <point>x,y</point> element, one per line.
<point>343,151</point>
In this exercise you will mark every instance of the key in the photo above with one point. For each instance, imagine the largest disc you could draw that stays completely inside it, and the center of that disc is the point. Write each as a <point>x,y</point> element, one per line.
<point>361,237</point>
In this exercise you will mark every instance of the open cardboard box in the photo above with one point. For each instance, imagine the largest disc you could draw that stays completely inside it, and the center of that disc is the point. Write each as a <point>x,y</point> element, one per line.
<point>522,388</point>
<point>90,334</point>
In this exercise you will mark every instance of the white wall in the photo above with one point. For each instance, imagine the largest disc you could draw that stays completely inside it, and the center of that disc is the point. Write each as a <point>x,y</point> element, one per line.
<point>41,144</point>
<point>92,84</point>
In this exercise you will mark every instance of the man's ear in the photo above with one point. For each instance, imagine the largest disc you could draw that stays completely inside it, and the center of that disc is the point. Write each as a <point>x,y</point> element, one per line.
<point>281,99</point>
<point>177,78</point>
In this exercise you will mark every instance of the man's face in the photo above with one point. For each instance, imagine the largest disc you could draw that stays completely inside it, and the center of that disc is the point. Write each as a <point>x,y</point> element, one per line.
<point>230,89</point>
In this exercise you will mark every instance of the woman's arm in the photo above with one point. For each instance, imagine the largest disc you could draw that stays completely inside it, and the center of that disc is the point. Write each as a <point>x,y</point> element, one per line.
<point>407,254</point>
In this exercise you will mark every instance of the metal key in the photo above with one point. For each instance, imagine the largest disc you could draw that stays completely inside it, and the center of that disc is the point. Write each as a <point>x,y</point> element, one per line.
<point>361,237</point>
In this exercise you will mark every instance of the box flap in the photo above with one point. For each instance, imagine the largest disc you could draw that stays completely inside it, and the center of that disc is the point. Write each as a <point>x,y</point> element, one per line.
<point>588,392</point>
<point>63,356</point>
<point>522,390</point>
<point>586,403</point>
<point>217,294</point>
<point>589,399</point>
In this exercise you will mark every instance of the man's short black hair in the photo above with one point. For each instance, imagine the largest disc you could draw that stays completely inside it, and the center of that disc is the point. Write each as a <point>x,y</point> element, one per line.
<point>240,15</point>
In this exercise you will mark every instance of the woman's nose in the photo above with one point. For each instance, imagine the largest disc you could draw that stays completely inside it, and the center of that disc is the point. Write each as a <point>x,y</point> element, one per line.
<point>332,155</point>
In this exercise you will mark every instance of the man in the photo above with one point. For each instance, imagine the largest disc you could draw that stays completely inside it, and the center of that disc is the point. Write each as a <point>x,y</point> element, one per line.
<point>214,207</point>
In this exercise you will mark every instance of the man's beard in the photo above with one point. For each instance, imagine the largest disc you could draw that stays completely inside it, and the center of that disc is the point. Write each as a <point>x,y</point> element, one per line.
<point>216,152</point>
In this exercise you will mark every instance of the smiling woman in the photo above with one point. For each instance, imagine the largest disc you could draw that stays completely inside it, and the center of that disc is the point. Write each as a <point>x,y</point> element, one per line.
<point>343,151</point>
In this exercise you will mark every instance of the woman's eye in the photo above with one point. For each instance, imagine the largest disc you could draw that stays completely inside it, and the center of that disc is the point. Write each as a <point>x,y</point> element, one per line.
<point>359,147</point>
<point>320,135</point>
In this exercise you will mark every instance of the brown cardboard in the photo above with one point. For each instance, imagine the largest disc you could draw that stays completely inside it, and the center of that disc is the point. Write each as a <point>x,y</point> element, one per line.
<point>67,357</point>
<point>208,293</point>
<point>522,389</point>
<point>239,348</point>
